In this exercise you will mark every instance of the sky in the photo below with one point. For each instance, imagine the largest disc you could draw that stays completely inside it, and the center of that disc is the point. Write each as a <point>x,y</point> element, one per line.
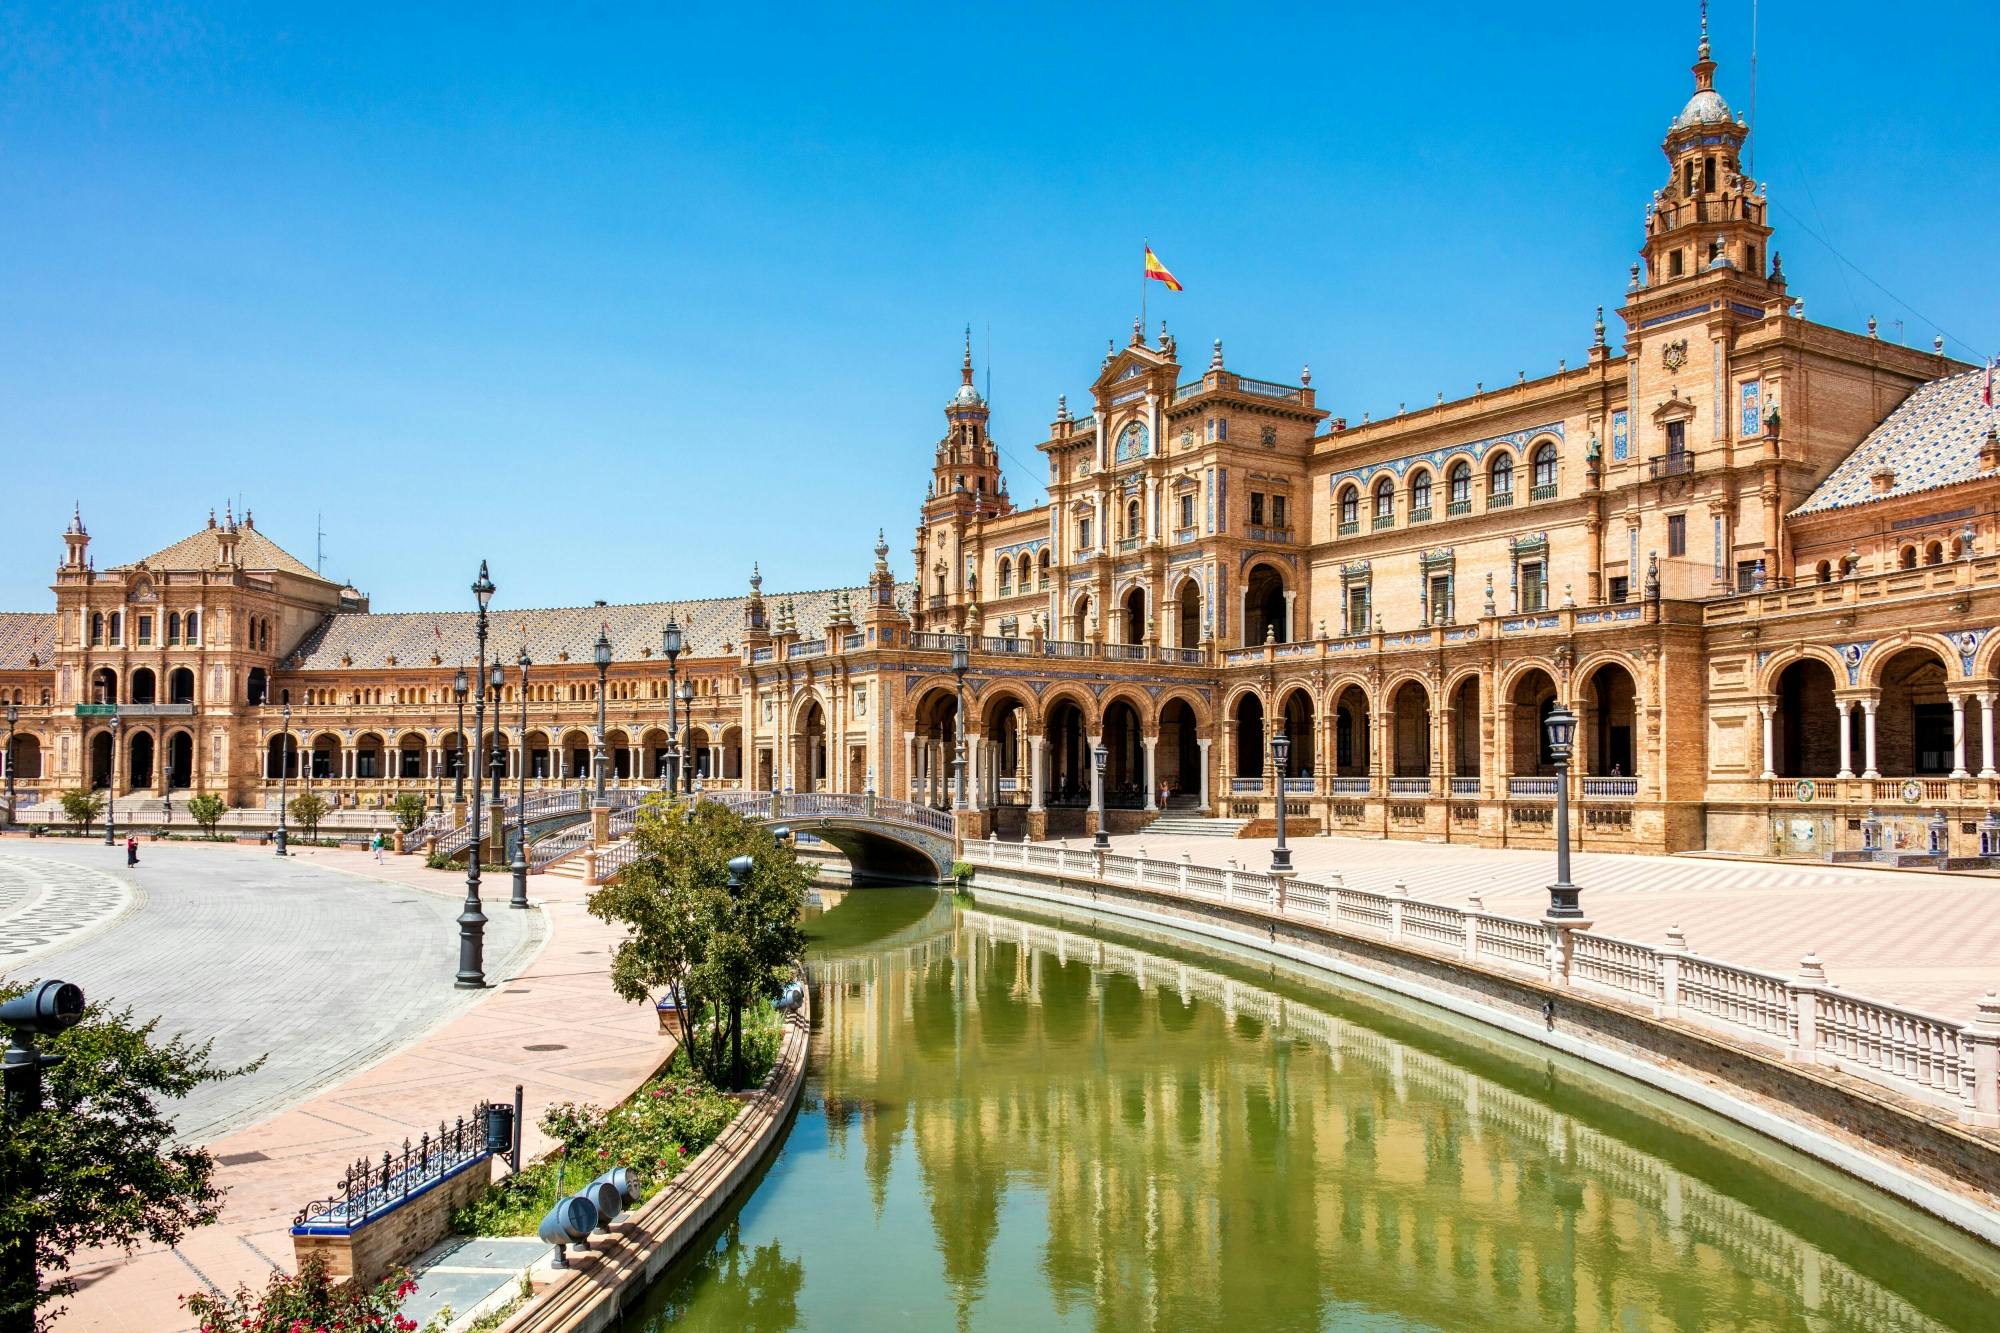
<point>622,297</point>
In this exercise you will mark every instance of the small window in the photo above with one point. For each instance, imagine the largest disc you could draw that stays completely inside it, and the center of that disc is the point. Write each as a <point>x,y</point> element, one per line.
<point>1503,476</point>
<point>1083,534</point>
<point>1620,589</point>
<point>1131,518</point>
<point>1677,534</point>
<point>1676,264</point>
<point>1187,510</point>
<point>1277,511</point>
<point>1459,484</point>
<point>1350,506</point>
<point>1545,468</point>
<point>145,630</point>
<point>1006,576</point>
<point>1420,493</point>
<point>1222,428</point>
<point>1256,509</point>
<point>1385,500</point>
<point>1357,610</point>
<point>1677,438</point>
<point>1824,572</point>
<point>97,627</point>
<point>1534,587</point>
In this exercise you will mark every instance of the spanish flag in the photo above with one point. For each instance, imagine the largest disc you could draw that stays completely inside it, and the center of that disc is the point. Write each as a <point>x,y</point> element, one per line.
<point>1158,271</point>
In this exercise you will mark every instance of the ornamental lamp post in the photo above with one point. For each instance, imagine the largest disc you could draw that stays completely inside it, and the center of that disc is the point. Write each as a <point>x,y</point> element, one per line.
<point>671,644</point>
<point>739,870</point>
<point>687,733</point>
<point>496,681</point>
<point>519,898</point>
<point>1560,725</point>
<point>111,807</point>
<point>285,748</point>
<point>1281,751</point>
<point>1102,842</point>
<point>471,920</point>
<point>459,688</point>
<point>961,661</point>
<point>602,648</point>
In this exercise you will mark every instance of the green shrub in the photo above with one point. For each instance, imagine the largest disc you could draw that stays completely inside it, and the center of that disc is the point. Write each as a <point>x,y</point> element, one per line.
<point>436,860</point>
<point>207,810</point>
<point>961,871</point>
<point>311,1299</point>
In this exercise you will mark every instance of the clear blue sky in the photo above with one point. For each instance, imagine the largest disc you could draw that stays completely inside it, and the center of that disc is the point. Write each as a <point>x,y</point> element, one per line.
<point>623,301</point>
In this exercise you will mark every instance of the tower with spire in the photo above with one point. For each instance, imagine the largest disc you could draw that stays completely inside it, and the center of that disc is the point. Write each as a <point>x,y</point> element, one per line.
<point>966,491</point>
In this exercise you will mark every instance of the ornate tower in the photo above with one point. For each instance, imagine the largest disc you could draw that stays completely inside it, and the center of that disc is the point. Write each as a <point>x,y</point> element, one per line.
<point>76,543</point>
<point>966,489</point>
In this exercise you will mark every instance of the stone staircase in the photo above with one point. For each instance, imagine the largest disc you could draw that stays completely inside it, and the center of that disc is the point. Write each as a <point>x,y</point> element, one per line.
<point>569,868</point>
<point>1179,820</point>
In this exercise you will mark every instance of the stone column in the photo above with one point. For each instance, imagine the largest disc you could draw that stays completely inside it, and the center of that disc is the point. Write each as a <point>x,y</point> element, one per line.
<point>973,794</point>
<point>910,771</point>
<point>1152,782</point>
<point>1096,780</point>
<point>1204,742</point>
<point>1770,769</point>
<point>1986,769</point>
<point>1958,737</point>
<point>1868,738</point>
<point>1846,712</point>
<point>1037,747</point>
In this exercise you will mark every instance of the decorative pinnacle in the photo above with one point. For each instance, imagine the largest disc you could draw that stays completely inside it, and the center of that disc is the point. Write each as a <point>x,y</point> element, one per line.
<point>756,577</point>
<point>965,369</point>
<point>1306,375</point>
<point>1597,329</point>
<point>1138,332</point>
<point>1215,357</point>
<point>1062,407</point>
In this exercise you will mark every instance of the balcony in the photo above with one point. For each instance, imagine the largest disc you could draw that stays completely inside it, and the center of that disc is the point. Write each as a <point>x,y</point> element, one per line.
<point>1500,500</point>
<point>1676,464</point>
<point>1457,507</point>
<point>1258,534</point>
<point>1127,544</point>
<point>1421,515</point>
<point>1384,521</point>
<point>1533,789</point>
<point>1610,789</point>
<point>1539,493</point>
<point>1350,527</point>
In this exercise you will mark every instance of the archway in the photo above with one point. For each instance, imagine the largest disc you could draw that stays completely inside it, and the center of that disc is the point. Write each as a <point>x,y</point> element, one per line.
<point>1410,731</point>
<point>1124,757</point>
<point>1533,695</point>
<point>809,748</point>
<point>937,747</point>
<point>1295,712</point>
<point>1248,759</point>
<point>24,761</point>
<point>1177,758</point>
<point>326,757</point>
<point>1913,721</point>
<point>1805,723</point>
<point>1003,757</point>
<point>576,749</point>
<point>143,686</point>
<point>1068,776</point>
<point>701,753</point>
<point>1609,724</point>
<point>1190,614</point>
<point>732,754</point>
<point>281,756</point>
<point>1079,618</point>
<point>139,761</point>
<point>410,757</point>
<point>617,755</point>
<point>255,688</point>
<point>1134,616</point>
<point>180,761</point>
<point>104,686</point>
<point>1264,606</point>
<point>100,760</point>
<point>180,686</point>
<point>1352,743</point>
<point>369,761</point>
<point>1466,750</point>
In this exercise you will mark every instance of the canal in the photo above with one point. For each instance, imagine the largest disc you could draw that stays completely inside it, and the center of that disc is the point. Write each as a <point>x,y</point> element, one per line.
<point>1020,1119</point>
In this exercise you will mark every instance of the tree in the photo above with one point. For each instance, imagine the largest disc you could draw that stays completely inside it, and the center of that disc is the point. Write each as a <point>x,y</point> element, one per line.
<point>81,807</point>
<point>308,808</point>
<point>710,951</point>
<point>207,810</point>
<point>409,810</point>
<point>97,1164</point>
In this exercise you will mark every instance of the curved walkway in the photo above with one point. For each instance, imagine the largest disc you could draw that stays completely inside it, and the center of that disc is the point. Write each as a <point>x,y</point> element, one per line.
<point>46,903</point>
<point>343,970</point>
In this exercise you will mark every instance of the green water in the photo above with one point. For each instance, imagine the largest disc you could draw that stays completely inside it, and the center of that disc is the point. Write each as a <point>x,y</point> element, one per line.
<point>1019,1121</point>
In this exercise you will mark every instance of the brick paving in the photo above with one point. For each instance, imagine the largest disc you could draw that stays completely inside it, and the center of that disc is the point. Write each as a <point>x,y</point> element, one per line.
<point>1926,940</point>
<point>453,1047</point>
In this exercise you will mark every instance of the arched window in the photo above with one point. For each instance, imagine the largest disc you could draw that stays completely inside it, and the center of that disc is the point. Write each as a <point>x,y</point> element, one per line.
<point>194,627</point>
<point>174,627</point>
<point>117,627</point>
<point>1350,508</point>
<point>1825,572</point>
<point>97,627</point>
<point>1131,518</point>
<point>1420,494</point>
<point>1044,563</point>
<point>1458,488</point>
<point>1544,473</point>
<point>1385,502</point>
<point>1027,573</point>
<point>1006,575</point>
<point>1500,483</point>
<point>1934,553</point>
<point>1908,560</point>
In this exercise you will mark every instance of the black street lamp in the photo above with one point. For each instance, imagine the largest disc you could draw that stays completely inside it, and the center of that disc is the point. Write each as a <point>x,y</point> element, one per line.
<point>13,716</point>
<point>603,650</point>
<point>671,644</point>
<point>496,681</point>
<point>687,731</point>
<point>519,898</point>
<point>285,749</point>
<point>46,1010</point>
<point>1102,842</point>
<point>111,807</point>
<point>460,687</point>
<point>471,920</point>
<point>1281,750</point>
<point>1561,727</point>
<point>739,869</point>
<point>960,662</point>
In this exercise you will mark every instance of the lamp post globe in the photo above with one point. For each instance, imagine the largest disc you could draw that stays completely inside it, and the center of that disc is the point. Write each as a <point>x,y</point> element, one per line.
<point>961,661</point>
<point>1098,756</point>
<point>111,792</point>
<point>286,749</point>
<point>1281,753</point>
<point>671,644</point>
<point>687,764</point>
<point>460,687</point>
<point>1560,728</point>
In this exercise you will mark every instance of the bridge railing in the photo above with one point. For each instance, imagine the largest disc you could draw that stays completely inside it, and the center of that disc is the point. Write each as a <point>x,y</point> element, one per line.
<point>1920,1055</point>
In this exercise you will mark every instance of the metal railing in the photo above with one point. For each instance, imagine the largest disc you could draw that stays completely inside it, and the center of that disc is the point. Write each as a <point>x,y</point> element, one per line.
<point>1911,1052</point>
<point>1674,464</point>
<point>369,1188</point>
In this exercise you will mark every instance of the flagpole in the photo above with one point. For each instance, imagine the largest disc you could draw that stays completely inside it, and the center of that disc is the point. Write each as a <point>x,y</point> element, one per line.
<point>1145,248</point>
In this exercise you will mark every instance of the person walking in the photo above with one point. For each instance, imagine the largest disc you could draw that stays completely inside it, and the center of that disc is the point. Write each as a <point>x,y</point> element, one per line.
<point>131,850</point>
<point>377,845</point>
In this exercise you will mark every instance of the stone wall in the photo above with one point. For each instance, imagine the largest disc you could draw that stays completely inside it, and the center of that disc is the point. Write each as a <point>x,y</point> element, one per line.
<point>396,1237</point>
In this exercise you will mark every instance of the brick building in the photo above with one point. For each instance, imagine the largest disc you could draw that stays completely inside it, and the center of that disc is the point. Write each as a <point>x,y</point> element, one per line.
<point>1755,554</point>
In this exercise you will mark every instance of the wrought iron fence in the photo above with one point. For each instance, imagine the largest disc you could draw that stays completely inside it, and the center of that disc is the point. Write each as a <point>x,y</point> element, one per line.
<point>370,1188</point>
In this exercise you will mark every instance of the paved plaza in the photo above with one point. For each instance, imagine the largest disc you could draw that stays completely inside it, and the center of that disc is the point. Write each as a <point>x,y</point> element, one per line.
<point>340,971</point>
<point>1919,938</point>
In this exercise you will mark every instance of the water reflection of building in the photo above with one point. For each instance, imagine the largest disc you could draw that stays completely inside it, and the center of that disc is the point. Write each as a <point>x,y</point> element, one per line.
<point>1205,1146</point>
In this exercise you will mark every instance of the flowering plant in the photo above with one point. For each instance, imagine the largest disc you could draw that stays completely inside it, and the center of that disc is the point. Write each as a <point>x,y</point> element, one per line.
<point>310,1301</point>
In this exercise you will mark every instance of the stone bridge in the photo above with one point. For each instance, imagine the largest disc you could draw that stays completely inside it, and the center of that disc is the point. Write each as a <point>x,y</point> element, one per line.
<point>881,837</point>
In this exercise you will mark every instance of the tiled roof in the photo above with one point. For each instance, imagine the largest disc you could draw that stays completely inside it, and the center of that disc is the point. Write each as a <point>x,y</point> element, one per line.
<point>254,551</point>
<point>23,633</point>
<point>368,640</point>
<point>1931,441</point>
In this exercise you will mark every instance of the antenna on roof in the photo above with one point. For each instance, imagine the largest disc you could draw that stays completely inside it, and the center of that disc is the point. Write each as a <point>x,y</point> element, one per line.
<point>319,543</point>
<point>1750,150</point>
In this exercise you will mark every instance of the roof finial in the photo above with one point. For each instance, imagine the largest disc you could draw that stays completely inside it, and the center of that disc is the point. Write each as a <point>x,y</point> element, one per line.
<point>756,577</point>
<point>1704,68</point>
<point>1138,332</point>
<point>965,370</point>
<point>1597,329</point>
<point>1215,358</point>
<point>76,518</point>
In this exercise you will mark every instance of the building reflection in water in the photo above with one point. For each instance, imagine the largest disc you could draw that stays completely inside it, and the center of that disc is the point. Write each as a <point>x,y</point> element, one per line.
<point>1106,1136</point>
